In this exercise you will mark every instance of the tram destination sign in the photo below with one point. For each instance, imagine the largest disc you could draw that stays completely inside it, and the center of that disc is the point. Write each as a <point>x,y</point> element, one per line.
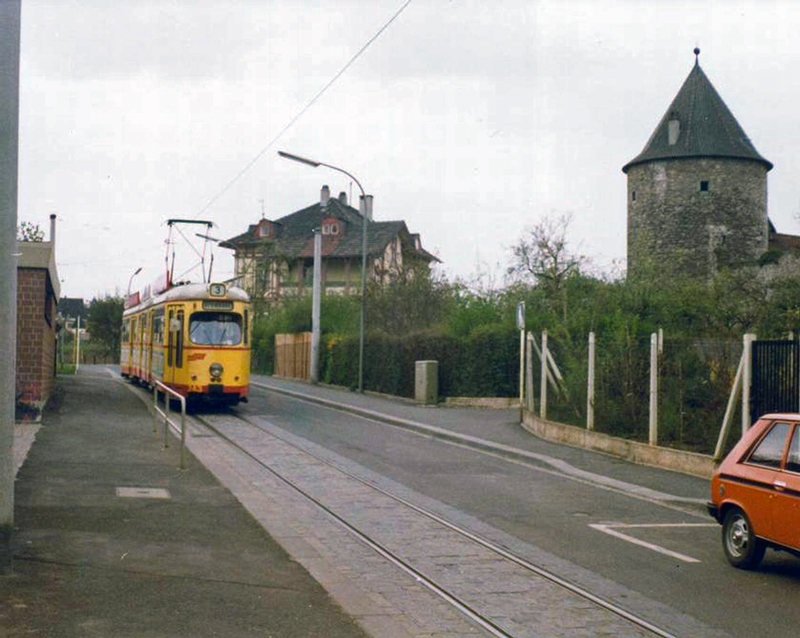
<point>209,304</point>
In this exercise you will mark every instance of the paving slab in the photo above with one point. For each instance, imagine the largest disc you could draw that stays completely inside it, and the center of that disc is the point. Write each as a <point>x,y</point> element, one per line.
<point>97,553</point>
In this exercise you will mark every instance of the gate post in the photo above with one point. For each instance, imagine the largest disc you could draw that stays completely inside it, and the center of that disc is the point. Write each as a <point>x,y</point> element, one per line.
<point>747,379</point>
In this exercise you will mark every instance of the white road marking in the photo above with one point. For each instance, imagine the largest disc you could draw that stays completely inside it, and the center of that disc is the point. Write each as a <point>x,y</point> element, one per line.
<point>611,529</point>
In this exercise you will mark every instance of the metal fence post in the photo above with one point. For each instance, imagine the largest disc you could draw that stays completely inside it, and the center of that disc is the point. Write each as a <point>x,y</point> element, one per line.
<point>543,389</point>
<point>167,402</point>
<point>747,380</point>
<point>155,409</point>
<point>590,385</point>
<point>529,374</point>
<point>183,433</point>
<point>653,438</point>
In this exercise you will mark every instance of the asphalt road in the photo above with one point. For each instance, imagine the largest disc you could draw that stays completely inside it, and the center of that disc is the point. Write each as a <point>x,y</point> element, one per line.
<point>669,555</point>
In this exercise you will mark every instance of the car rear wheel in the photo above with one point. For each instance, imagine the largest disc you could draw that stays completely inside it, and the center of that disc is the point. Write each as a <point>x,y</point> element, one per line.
<point>742,548</point>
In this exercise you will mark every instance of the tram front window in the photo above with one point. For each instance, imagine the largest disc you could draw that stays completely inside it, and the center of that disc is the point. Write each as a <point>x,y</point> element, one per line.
<point>215,328</point>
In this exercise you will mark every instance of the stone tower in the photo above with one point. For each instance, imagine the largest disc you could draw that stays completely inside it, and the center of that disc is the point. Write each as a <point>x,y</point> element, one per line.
<point>697,193</point>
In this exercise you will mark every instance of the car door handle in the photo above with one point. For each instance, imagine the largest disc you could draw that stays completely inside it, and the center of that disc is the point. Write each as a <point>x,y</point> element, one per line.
<point>779,485</point>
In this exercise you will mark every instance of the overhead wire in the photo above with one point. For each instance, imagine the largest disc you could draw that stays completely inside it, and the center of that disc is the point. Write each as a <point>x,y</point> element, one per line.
<point>302,112</point>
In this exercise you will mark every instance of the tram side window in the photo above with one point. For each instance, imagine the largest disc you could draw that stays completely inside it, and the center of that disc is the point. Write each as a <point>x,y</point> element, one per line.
<point>126,331</point>
<point>245,329</point>
<point>158,327</point>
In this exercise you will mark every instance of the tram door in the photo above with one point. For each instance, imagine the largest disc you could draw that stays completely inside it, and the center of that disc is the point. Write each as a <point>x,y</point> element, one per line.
<point>175,357</point>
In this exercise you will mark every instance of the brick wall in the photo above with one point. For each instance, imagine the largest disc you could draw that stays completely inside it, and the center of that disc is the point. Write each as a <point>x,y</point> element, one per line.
<point>36,336</point>
<point>676,225</point>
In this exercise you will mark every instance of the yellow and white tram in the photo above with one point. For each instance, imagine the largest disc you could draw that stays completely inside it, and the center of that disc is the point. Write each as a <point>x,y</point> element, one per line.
<point>194,338</point>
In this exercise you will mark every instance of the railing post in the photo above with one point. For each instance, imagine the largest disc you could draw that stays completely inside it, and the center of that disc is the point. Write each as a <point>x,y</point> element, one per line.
<point>653,438</point>
<point>590,385</point>
<point>158,386</point>
<point>183,433</point>
<point>167,401</point>
<point>155,409</point>
<point>543,389</point>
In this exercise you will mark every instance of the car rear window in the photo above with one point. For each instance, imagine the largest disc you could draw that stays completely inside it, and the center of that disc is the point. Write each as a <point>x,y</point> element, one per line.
<point>769,451</point>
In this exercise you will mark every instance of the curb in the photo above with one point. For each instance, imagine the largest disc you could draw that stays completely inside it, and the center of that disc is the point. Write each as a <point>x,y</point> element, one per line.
<point>500,449</point>
<point>691,463</point>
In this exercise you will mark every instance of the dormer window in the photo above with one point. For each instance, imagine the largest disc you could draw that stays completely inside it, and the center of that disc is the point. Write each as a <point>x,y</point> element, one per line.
<point>332,225</point>
<point>264,229</point>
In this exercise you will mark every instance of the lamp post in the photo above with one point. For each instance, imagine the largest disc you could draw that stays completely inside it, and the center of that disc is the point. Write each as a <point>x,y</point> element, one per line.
<point>130,281</point>
<point>365,208</point>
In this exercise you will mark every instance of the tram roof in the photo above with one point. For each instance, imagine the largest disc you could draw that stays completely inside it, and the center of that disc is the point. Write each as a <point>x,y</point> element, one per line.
<point>185,292</point>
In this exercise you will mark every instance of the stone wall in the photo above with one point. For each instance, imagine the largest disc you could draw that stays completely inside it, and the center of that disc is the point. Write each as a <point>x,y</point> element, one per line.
<point>696,215</point>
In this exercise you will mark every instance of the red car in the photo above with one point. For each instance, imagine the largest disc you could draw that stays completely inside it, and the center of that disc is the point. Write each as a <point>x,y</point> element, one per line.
<point>755,492</point>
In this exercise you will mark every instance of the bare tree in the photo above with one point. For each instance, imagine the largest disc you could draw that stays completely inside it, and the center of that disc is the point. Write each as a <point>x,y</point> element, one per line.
<point>28,231</point>
<point>542,254</point>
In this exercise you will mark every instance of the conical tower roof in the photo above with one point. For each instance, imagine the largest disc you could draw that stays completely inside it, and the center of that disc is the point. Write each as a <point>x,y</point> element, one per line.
<point>705,127</point>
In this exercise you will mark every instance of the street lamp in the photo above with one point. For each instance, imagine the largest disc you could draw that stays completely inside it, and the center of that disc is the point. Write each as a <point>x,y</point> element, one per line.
<point>365,206</point>
<point>130,281</point>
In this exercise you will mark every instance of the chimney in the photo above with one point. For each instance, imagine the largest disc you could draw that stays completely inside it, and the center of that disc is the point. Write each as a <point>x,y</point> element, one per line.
<point>324,196</point>
<point>53,229</point>
<point>367,204</point>
<point>343,198</point>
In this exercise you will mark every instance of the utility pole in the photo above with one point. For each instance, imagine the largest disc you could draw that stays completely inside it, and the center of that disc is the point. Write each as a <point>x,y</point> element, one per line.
<point>9,154</point>
<point>315,305</point>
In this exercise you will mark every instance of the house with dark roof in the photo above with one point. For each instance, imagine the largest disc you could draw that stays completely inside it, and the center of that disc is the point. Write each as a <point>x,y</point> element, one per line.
<point>697,192</point>
<point>275,258</point>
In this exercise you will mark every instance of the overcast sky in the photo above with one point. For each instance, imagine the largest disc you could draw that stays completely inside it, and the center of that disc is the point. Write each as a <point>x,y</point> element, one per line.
<point>470,120</point>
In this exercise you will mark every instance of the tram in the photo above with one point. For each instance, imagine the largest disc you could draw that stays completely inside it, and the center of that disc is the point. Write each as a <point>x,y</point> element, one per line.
<point>192,337</point>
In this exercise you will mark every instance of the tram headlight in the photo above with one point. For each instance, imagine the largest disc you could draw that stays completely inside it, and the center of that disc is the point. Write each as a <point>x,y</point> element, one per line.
<point>215,370</point>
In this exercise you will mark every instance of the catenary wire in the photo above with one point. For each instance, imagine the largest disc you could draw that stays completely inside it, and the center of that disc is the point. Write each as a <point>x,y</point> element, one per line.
<point>302,112</point>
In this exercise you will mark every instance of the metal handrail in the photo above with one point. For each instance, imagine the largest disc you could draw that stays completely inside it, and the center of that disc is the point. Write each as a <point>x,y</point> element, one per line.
<point>158,385</point>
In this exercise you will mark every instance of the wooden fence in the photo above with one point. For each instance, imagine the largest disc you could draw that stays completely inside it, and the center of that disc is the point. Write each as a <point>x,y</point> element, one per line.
<point>293,355</point>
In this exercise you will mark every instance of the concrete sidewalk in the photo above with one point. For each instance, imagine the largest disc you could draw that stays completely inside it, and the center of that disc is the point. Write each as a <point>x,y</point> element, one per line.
<point>113,540</point>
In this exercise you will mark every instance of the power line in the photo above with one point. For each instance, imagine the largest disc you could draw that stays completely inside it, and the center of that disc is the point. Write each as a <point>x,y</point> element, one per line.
<point>302,112</point>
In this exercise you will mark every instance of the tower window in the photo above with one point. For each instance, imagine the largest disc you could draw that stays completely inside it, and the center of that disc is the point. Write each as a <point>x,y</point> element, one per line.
<point>703,186</point>
<point>633,196</point>
<point>673,131</point>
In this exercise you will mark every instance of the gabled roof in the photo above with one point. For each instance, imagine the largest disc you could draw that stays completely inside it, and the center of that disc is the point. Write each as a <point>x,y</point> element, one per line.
<point>294,238</point>
<point>706,127</point>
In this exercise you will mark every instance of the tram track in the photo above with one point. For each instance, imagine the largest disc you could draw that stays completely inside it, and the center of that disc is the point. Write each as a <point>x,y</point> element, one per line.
<point>218,424</point>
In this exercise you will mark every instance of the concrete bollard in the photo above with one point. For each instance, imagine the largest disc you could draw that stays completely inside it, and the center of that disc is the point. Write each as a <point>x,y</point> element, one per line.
<point>426,382</point>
